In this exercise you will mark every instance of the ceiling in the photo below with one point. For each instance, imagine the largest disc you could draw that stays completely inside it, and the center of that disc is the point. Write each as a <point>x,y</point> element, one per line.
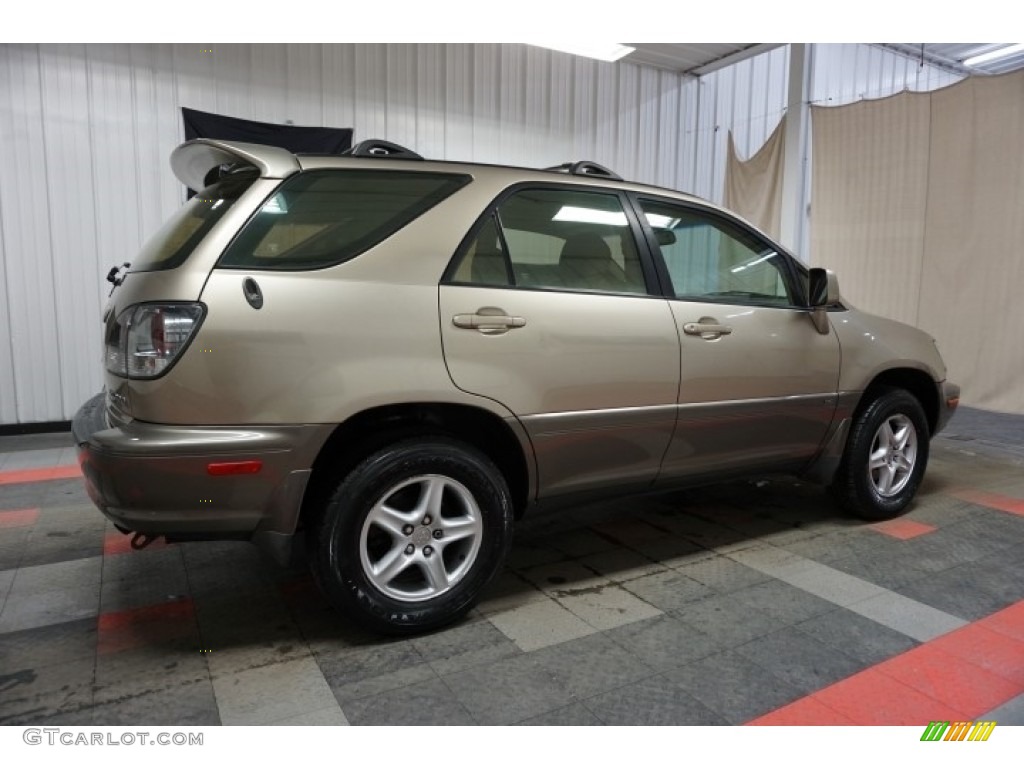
<point>951,56</point>
<point>701,58</point>
<point>694,58</point>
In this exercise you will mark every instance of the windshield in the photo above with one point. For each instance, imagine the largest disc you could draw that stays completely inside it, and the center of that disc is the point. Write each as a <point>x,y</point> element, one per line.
<point>178,237</point>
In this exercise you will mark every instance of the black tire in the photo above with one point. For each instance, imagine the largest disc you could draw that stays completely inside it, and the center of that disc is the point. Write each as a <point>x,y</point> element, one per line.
<point>862,492</point>
<point>358,532</point>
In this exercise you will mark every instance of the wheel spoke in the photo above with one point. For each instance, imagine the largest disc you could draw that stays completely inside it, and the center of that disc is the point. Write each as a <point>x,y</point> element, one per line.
<point>392,564</point>
<point>886,477</point>
<point>433,568</point>
<point>902,435</point>
<point>432,497</point>
<point>459,528</point>
<point>885,435</point>
<point>877,459</point>
<point>391,520</point>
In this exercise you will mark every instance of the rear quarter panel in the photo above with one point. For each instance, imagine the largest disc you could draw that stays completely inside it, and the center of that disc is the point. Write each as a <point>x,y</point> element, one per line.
<point>326,343</point>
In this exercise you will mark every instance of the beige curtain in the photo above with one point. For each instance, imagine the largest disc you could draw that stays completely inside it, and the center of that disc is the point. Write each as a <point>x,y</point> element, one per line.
<point>753,188</point>
<point>918,205</point>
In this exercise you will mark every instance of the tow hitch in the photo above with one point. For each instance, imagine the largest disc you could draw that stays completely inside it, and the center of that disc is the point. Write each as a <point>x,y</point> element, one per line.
<point>142,540</point>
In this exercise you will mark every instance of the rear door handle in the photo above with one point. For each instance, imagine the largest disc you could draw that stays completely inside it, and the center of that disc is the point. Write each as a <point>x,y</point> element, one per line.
<point>707,330</point>
<point>489,320</point>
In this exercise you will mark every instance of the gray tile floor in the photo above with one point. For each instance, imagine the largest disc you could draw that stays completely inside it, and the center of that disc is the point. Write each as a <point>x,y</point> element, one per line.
<point>708,606</point>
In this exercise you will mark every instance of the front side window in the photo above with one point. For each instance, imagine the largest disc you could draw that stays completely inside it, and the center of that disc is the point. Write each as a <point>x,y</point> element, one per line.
<point>321,218</point>
<point>710,259</point>
<point>555,239</point>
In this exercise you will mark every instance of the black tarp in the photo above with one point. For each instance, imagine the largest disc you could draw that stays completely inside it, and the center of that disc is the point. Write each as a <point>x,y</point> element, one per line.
<point>294,138</point>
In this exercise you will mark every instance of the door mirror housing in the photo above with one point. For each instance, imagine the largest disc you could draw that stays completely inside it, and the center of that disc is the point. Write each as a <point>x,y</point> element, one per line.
<point>823,292</point>
<point>824,288</point>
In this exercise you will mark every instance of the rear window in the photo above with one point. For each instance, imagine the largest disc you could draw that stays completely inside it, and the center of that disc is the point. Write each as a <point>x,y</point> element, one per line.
<point>175,240</point>
<point>322,218</point>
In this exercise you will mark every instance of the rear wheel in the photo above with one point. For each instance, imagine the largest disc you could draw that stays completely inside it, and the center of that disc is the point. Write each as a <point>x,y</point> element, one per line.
<point>412,536</point>
<point>885,457</point>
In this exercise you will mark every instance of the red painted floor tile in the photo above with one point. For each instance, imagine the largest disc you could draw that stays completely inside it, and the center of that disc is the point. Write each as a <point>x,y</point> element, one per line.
<point>871,698</point>
<point>958,676</point>
<point>992,500</point>
<point>117,543</point>
<point>18,518</point>
<point>902,529</point>
<point>998,653</point>
<point>39,474</point>
<point>149,625</point>
<point>949,679</point>
<point>805,711</point>
<point>1009,621</point>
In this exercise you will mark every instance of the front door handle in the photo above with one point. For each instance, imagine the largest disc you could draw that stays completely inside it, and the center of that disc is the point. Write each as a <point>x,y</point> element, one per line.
<point>489,320</point>
<point>706,330</point>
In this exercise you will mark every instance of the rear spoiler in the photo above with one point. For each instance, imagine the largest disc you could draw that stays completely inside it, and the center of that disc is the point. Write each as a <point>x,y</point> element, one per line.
<point>193,160</point>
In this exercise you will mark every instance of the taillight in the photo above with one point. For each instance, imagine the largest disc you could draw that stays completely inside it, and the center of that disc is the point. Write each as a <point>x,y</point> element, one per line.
<point>146,339</point>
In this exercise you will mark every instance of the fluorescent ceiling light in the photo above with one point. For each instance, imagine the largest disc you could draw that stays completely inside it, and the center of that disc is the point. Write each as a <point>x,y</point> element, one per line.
<point>660,221</point>
<point>998,53</point>
<point>590,216</point>
<point>601,51</point>
<point>276,204</point>
<point>765,257</point>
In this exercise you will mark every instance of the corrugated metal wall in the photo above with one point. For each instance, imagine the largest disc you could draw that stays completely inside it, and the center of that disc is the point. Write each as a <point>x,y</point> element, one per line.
<point>749,98</point>
<point>86,131</point>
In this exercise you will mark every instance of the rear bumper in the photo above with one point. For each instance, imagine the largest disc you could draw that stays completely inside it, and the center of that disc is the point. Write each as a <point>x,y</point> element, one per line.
<point>949,399</point>
<point>156,479</point>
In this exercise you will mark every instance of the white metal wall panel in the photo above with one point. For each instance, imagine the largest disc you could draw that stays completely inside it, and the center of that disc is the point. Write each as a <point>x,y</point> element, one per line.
<point>606,115</point>
<point>339,84</point>
<point>485,117</point>
<point>303,85</point>
<point>371,85</point>
<point>430,101</point>
<point>512,104</point>
<point>846,72</point>
<point>234,95</point>
<point>669,132</point>
<point>8,402</point>
<point>747,98</point>
<point>87,132</point>
<point>457,110</point>
<point>584,109</point>
<point>400,95</point>
<point>78,158</point>
<point>27,224</point>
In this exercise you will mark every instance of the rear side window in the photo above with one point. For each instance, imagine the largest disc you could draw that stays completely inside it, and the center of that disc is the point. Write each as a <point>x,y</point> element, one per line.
<point>321,218</point>
<point>556,239</point>
<point>176,239</point>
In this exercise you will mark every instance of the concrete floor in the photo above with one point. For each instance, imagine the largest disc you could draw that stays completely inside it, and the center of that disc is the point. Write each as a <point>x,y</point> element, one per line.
<point>745,602</point>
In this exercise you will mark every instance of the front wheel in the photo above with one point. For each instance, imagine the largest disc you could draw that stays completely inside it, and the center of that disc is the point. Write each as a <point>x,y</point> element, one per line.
<point>885,456</point>
<point>412,536</point>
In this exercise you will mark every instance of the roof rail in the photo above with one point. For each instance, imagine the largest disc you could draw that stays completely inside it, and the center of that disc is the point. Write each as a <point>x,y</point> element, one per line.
<point>585,168</point>
<point>381,148</point>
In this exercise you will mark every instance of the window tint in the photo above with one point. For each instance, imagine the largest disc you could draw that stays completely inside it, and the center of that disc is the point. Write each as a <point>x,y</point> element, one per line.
<point>319,218</point>
<point>177,238</point>
<point>710,258</point>
<point>560,239</point>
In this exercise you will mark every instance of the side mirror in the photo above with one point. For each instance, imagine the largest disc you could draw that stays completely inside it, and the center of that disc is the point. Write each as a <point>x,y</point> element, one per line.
<point>824,288</point>
<point>823,292</point>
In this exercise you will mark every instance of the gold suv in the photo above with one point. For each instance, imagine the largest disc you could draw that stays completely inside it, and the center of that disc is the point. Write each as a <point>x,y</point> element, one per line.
<point>396,358</point>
